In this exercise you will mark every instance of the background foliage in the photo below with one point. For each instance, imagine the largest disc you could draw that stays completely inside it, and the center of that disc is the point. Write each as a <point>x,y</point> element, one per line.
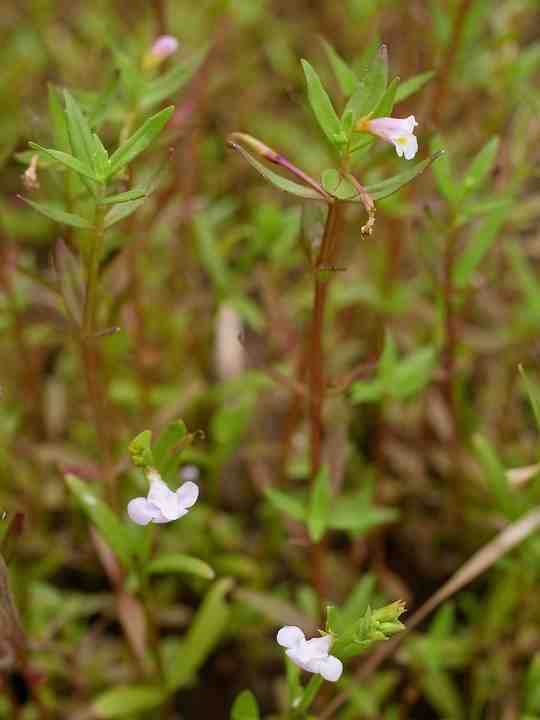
<point>430,445</point>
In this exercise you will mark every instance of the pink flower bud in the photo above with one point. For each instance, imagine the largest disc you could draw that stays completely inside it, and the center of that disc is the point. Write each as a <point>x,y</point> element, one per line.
<point>164,46</point>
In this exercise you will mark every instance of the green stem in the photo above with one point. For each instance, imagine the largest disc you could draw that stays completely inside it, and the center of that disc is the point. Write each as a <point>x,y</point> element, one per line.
<point>310,693</point>
<point>90,354</point>
<point>316,373</point>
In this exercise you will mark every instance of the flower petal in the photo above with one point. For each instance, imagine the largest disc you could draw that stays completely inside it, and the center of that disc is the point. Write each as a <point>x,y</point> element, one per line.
<point>163,498</point>
<point>187,494</point>
<point>141,511</point>
<point>318,647</point>
<point>331,668</point>
<point>290,636</point>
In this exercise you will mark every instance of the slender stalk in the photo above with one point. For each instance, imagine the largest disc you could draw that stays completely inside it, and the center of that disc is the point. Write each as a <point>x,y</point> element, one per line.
<point>316,370</point>
<point>445,69</point>
<point>451,337</point>
<point>90,353</point>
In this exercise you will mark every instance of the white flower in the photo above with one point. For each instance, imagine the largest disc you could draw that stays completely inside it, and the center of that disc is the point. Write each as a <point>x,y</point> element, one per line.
<point>311,655</point>
<point>164,46</point>
<point>162,504</point>
<point>398,131</point>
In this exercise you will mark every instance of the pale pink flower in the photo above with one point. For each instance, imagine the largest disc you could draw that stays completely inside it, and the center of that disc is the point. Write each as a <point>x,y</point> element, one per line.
<point>398,131</point>
<point>164,46</point>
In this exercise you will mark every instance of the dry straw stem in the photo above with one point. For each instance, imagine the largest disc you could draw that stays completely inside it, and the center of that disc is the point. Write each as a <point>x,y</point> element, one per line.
<point>473,568</point>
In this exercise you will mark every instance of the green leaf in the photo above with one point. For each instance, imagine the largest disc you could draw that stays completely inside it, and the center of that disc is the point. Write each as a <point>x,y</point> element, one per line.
<point>180,564</point>
<point>371,88</point>
<point>245,707</point>
<point>140,449</point>
<point>367,391</point>
<point>57,119</point>
<point>280,182</point>
<point>446,183</point>
<point>167,448</point>
<point>286,503</point>
<point>128,701</point>
<point>140,140</point>
<point>533,393</point>
<point>127,196</point>
<point>346,77</point>
<point>386,104</point>
<point>319,505</point>
<point>496,476</point>
<point>204,633</point>
<point>107,523</point>
<point>413,373</point>
<point>383,189</point>
<point>339,187</point>
<point>101,158</point>
<point>355,513</point>
<point>413,84</point>
<point>80,135</point>
<point>168,84</point>
<point>480,167</point>
<point>478,246</point>
<point>68,160</point>
<point>322,106</point>
<point>59,215</point>
<point>122,210</point>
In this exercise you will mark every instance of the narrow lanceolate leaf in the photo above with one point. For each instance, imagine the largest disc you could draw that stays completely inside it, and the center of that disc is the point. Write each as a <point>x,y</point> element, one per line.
<point>322,105</point>
<point>112,530</point>
<point>66,159</point>
<point>388,100</point>
<point>140,140</point>
<point>122,210</point>
<point>444,176</point>
<point>478,245</point>
<point>280,182</point>
<point>319,505</point>
<point>60,216</point>
<point>80,135</point>
<point>346,77</point>
<point>203,635</point>
<point>168,84</point>
<point>286,503</point>
<point>101,158</point>
<point>128,701</point>
<point>481,166</point>
<point>180,564</point>
<point>533,393</point>
<point>496,477</point>
<point>413,84</point>
<point>383,189</point>
<point>57,120</point>
<point>371,87</point>
<point>123,197</point>
<point>245,707</point>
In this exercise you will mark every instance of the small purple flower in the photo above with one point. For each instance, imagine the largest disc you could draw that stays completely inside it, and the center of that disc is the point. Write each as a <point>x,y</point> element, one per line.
<point>164,46</point>
<point>162,505</point>
<point>398,131</point>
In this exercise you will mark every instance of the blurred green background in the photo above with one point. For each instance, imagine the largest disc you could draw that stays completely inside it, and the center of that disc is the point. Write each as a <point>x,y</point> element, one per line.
<point>208,286</point>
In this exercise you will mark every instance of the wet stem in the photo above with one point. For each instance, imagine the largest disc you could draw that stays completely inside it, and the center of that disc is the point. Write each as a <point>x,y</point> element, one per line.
<point>316,370</point>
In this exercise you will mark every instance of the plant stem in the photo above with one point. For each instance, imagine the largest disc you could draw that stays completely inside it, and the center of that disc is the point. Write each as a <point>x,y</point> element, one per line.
<point>445,68</point>
<point>310,692</point>
<point>90,354</point>
<point>316,370</point>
